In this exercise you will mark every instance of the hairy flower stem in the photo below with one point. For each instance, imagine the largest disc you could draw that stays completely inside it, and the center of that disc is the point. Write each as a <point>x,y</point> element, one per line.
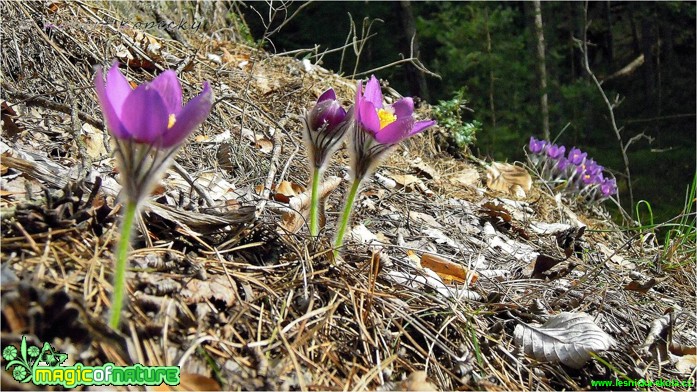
<point>121,262</point>
<point>314,202</point>
<point>348,208</point>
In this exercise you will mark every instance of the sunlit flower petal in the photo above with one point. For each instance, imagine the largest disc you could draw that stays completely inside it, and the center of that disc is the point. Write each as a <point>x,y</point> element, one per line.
<point>145,115</point>
<point>328,95</point>
<point>369,117</point>
<point>421,126</point>
<point>404,107</point>
<point>170,90</point>
<point>396,131</point>
<point>189,118</point>
<point>372,92</point>
<point>111,114</point>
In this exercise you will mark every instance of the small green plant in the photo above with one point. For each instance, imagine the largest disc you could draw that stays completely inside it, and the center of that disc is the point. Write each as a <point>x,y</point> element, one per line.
<point>679,244</point>
<point>449,116</point>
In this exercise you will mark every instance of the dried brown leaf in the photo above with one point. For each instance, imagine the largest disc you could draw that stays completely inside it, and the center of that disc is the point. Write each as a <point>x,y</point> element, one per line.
<point>426,169</point>
<point>496,211</point>
<point>643,288</point>
<point>448,270</point>
<point>298,214</point>
<point>264,145</point>
<point>217,287</point>
<point>94,141</point>
<point>406,180</point>
<point>507,178</point>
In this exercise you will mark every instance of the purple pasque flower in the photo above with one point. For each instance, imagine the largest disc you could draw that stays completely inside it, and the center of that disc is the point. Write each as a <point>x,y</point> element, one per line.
<point>576,156</point>
<point>537,146</point>
<point>608,187</point>
<point>589,166</point>
<point>148,124</point>
<point>562,164</point>
<point>377,126</point>
<point>592,178</point>
<point>325,126</point>
<point>152,113</point>
<point>555,152</point>
<point>388,124</point>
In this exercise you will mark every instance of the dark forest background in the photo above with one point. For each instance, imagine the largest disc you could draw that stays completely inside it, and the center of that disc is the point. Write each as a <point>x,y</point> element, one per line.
<point>642,52</point>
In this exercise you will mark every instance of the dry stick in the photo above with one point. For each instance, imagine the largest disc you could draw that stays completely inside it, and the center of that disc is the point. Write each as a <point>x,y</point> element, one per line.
<point>358,49</point>
<point>201,192</point>
<point>411,59</point>
<point>85,159</point>
<point>36,100</point>
<point>273,166</point>
<point>586,65</point>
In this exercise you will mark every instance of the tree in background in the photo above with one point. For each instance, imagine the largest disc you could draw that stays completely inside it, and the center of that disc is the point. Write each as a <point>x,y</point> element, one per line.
<point>642,52</point>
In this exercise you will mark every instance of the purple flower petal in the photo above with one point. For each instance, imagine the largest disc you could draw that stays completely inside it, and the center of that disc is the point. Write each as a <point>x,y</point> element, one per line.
<point>117,88</point>
<point>538,146</point>
<point>170,90</point>
<point>576,156</point>
<point>555,152</point>
<point>111,116</point>
<point>369,117</point>
<point>395,131</point>
<point>562,164</point>
<point>372,92</point>
<point>359,99</point>
<point>608,187</point>
<point>190,117</point>
<point>145,115</point>
<point>404,107</point>
<point>327,95</point>
<point>329,112</point>
<point>421,126</point>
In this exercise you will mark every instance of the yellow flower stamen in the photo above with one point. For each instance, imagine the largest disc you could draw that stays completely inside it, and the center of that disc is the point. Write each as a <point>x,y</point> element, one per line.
<point>386,117</point>
<point>171,122</point>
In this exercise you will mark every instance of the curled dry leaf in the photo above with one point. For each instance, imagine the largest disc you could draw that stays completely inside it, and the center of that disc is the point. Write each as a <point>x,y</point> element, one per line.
<point>9,125</point>
<point>643,288</point>
<point>425,169</point>
<point>686,365</point>
<point>406,180</point>
<point>417,381</point>
<point>507,178</point>
<point>264,145</point>
<point>217,287</point>
<point>294,218</point>
<point>283,192</point>
<point>568,338</point>
<point>496,211</point>
<point>448,270</point>
<point>467,177</point>
<point>541,265</point>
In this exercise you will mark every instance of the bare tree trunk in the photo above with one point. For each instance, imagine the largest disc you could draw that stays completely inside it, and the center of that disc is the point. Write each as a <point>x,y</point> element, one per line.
<point>541,67</point>
<point>415,78</point>
<point>492,106</point>
<point>609,39</point>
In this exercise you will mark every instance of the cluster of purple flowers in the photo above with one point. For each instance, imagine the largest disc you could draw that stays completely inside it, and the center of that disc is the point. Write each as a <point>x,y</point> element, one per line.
<point>579,174</point>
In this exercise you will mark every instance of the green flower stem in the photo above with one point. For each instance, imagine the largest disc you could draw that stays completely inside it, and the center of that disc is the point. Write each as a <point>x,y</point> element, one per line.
<point>121,262</point>
<point>348,208</point>
<point>314,203</point>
